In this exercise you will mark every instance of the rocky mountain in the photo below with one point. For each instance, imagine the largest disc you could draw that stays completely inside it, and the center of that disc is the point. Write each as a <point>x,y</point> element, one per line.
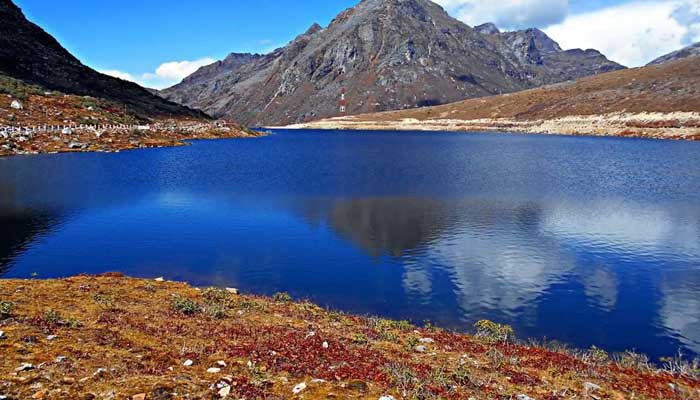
<point>690,51</point>
<point>30,54</point>
<point>389,54</point>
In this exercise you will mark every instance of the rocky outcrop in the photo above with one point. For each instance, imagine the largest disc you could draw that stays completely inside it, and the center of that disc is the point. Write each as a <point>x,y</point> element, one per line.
<point>690,51</point>
<point>30,54</point>
<point>390,55</point>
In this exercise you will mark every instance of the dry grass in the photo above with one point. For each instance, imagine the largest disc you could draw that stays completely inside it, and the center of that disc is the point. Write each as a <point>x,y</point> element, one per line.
<point>118,337</point>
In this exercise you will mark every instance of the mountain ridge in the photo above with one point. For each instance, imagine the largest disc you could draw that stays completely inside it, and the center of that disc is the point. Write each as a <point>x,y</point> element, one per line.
<point>30,54</point>
<point>389,54</point>
<point>691,51</point>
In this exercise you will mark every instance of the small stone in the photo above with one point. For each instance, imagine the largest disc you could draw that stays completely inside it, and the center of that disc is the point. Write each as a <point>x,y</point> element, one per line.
<point>2,335</point>
<point>523,397</point>
<point>221,363</point>
<point>25,367</point>
<point>39,395</point>
<point>420,349</point>
<point>51,337</point>
<point>358,386</point>
<point>310,334</point>
<point>214,370</point>
<point>387,397</point>
<point>225,391</point>
<point>140,396</point>
<point>61,359</point>
<point>68,380</point>
<point>299,388</point>
<point>590,387</point>
<point>188,363</point>
<point>232,290</point>
<point>325,345</point>
<point>160,279</point>
<point>427,340</point>
<point>317,380</point>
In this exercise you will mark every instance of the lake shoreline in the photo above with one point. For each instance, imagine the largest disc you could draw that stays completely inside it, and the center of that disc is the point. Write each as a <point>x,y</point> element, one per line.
<point>117,140</point>
<point>666,126</point>
<point>111,336</point>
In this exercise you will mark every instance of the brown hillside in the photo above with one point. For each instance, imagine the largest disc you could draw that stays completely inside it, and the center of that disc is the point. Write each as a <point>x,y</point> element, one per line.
<point>669,87</point>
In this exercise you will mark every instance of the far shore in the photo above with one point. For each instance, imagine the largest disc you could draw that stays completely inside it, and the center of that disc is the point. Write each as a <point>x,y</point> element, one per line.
<point>667,126</point>
<point>115,337</point>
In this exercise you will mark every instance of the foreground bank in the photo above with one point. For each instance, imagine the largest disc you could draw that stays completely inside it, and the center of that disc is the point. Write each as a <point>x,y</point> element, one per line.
<point>661,102</point>
<point>115,337</point>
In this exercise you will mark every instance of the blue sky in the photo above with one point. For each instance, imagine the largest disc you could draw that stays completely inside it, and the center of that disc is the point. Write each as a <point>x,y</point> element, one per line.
<point>157,42</point>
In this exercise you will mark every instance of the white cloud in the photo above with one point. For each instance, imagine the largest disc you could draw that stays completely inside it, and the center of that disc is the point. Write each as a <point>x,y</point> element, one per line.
<point>166,75</point>
<point>634,33</point>
<point>118,74</point>
<point>508,14</point>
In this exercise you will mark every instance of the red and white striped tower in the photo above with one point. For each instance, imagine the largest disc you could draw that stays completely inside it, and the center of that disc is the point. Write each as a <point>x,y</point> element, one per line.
<point>342,104</point>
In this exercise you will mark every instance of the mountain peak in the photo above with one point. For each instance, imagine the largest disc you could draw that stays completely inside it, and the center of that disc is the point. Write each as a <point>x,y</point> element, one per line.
<point>488,28</point>
<point>690,51</point>
<point>314,28</point>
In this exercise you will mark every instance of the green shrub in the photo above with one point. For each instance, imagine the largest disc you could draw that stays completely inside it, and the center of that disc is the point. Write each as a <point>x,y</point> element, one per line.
<point>6,308</point>
<point>185,306</point>
<point>494,332</point>
<point>282,297</point>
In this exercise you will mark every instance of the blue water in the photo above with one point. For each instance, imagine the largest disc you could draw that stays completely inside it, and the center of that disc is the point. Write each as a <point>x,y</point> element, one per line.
<point>583,240</point>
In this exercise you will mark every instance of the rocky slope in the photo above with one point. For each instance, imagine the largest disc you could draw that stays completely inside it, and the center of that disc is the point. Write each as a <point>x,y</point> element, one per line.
<point>30,54</point>
<point>389,54</point>
<point>659,101</point>
<point>690,51</point>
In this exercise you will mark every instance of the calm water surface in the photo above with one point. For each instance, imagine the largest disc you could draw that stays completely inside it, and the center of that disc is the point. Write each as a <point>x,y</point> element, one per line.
<point>583,240</point>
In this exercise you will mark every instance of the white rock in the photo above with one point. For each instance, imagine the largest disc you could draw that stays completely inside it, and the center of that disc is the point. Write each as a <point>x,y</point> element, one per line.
<point>591,387</point>
<point>61,359</point>
<point>427,340</point>
<point>420,349</point>
<point>387,397</point>
<point>188,363</point>
<point>214,370</point>
<point>299,388</point>
<point>2,334</point>
<point>67,131</point>
<point>51,337</point>
<point>25,367</point>
<point>225,391</point>
<point>160,279</point>
<point>523,397</point>
<point>310,334</point>
<point>16,105</point>
<point>232,290</point>
<point>221,363</point>
<point>325,345</point>
<point>317,380</point>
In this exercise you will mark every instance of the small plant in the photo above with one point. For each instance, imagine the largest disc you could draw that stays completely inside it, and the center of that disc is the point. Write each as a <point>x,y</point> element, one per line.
<point>185,306</point>
<point>6,308</point>
<point>105,301</point>
<point>412,342</point>
<point>216,296</point>
<point>596,355</point>
<point>630,359</point>
<point>359,338</point>
<point>677,365</point>
<point>282,297</point>
<point>217,311</point>
<point>494,332</point>
<point>52,317</point>
<point>389,336</point>
<point>72,323</point>
<point>410,385</point>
